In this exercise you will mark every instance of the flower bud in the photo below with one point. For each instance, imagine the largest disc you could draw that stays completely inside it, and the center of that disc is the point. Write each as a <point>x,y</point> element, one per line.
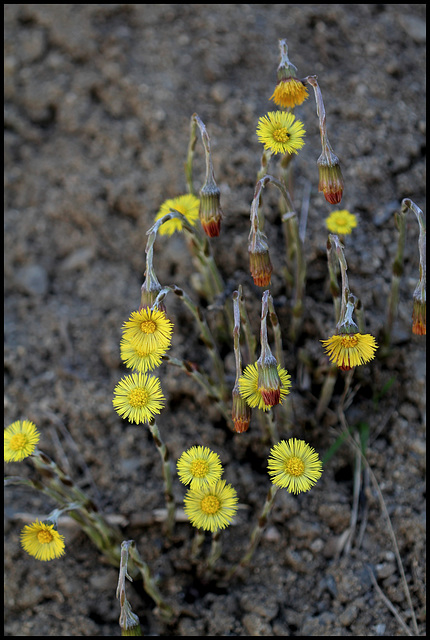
<point>419,316</point>
<point>240,412</point>
<point>259,260</point>
<point>330,178</point>
<point>269,382</point>
<point>210,211</point>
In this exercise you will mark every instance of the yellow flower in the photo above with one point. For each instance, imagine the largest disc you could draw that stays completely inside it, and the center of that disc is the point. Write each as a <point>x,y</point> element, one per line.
<point>42,541</point>
<point>280,132</point>
<point>138,397</point>
<point>199,466</point>
<point>188,205</point>
<point>211,507</point>
<point>294,465</point>
<point>341,222</point>
<point>20,440</point>
<point>249,390</point>
<point>289,92</point>
<point>148,330</point>
<point>349,350</point>
<point>138,359</point>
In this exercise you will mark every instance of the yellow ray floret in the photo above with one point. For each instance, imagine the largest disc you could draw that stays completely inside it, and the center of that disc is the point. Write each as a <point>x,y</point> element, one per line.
<point>280,132</point>
<point>199,466</point>
<point>341,222</point>
<point>211,507</point>
<point>20,440</point>
<point>188,205</point>
<point>294,465</point>
<point>349,350</point>
<point>148,330</point>
<point>42,541</point>
<point>138,397</point>
<point>289,92</point>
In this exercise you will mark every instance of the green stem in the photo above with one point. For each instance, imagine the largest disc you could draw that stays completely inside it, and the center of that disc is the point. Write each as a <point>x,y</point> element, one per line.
<point>167,476</point>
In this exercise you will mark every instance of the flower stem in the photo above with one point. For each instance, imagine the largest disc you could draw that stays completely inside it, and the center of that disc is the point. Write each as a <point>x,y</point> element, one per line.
<point>167,476</point>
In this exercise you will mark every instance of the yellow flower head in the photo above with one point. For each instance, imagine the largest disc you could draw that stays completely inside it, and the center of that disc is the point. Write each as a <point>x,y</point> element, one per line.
<point>341,222</point>
<point>148,330</point>
<point>42,541</point>
<point>294,465</point>
<point>188,205</point>
<point>289,92</point>
<point>249,390</point>
<point>349,350</point>
<point>20,440</point>
<point>138,397</point>
<point>199,466</point>
<point>280,132</point>
<point>211,507</point>
<point>138,359</point>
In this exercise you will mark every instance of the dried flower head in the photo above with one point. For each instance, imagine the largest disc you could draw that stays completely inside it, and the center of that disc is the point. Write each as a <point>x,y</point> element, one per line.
<point>289,92</point>
<point>139,359</point>
<point>148,330</point>
<point>250,391</point>
<point>187,204</point>
<point>280,132</point>
<point>294,465</point>
<point>199,466</point>
<point>341,222</point>
<point>42,541</point>
<point>20,440</point>
<point>349,350</point>
<point>138,397</point>
<point>211,507</point>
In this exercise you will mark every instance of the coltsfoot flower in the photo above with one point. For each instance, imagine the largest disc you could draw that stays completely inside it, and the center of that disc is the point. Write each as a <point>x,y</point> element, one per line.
<point>20,440</point>
<point>138,397</point>
<point>211,507</point>
<point>280,132</point>
<point>148,330</point>
<point>240,411</point>
<point>42,541</point>
<point>330,178</point>
<point>289,92</point>
<point>199,466</point>
<point>249,389</point>
<point>341,222</point>
<point>188,205</point>
<point>138,359</point>
<point>349,350</point>
<point>294,465</point>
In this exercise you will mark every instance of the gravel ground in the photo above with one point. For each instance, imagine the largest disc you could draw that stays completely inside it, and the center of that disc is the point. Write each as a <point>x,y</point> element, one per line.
<point>98,100</point>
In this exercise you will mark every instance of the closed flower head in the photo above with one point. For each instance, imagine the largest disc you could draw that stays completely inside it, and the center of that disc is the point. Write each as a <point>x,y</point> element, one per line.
<point>138,397</point>
<point>419,314</point>
<point>188,205</point>
<point>210,212</point>
<point>280,132</point>
<point>42,541</point>
<point>20,440</point>
<point>260,264</point>
<point>251,392</point>
<point>349,350</point>
<point>240,411</point>
<point>294,465</point>
<point>148,330</point>
<point>211,507</point>
<point>269,382</point>
<point>330,178</point>
<point>341,222</point>
<point>289,92</point>
<point>199,466</point>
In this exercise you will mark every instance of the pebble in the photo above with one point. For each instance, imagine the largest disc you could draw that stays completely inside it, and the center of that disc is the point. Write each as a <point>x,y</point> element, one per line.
<point>33,279</point>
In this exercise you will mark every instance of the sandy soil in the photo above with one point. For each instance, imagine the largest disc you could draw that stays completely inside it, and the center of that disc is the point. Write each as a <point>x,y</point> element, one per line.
<point>98,104</point>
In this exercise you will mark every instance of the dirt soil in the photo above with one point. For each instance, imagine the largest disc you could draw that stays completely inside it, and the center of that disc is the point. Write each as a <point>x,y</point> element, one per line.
<point>98,105</point>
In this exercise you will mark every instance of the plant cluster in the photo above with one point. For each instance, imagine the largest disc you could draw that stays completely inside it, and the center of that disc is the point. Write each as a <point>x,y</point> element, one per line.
<point>261,386</point>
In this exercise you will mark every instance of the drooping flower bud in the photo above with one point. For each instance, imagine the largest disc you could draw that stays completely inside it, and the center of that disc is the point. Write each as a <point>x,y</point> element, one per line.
<point>240,412</point>
<point>330,177</point>
<point>260,265</point>
<point>210,211</point>
<point>419,314</point>
<point>269,382</point>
